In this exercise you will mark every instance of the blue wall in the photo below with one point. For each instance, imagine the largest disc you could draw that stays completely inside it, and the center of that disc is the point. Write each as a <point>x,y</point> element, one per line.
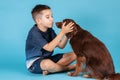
<point>100,17</point>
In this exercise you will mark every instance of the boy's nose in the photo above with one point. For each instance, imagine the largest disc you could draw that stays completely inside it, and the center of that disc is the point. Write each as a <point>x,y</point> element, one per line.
<point>51,19</point>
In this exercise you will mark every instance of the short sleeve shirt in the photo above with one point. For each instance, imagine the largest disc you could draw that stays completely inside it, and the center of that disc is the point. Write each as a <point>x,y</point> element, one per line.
<point>36,39</point>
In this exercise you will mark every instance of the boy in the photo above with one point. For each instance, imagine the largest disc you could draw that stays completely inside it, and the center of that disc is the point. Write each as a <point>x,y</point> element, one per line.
<point>41,42</point>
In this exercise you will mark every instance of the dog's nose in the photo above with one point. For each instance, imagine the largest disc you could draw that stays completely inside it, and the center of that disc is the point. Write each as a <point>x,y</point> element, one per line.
<point>59,24</point>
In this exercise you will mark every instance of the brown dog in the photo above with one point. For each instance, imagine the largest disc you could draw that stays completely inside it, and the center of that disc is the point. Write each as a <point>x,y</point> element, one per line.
<point>92,51</point>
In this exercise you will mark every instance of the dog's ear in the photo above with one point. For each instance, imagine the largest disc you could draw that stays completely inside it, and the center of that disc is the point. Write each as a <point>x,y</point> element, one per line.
<point>59,24</point>
<point>74,32</point>
<point>75,29</point>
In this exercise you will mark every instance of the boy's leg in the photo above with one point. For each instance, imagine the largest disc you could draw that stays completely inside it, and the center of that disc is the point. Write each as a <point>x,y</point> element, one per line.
<point>48,65</point>
<point>62,65</point>
<point>67,59</point>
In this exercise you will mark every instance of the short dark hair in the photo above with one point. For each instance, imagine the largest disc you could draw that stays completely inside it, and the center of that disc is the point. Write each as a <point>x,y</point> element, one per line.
<point>37,9</point>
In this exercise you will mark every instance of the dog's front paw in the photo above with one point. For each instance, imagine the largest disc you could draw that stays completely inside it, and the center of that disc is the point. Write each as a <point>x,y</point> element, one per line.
<point>87,76</point>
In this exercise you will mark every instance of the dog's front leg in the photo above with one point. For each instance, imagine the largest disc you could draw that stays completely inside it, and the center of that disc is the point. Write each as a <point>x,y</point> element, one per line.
<point>78,67</point>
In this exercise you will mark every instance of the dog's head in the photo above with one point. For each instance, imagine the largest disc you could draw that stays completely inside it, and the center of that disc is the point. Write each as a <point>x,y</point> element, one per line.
<point>70,34</point>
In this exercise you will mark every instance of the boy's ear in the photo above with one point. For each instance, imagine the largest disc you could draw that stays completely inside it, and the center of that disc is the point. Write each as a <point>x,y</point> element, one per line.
<point>37,20</point>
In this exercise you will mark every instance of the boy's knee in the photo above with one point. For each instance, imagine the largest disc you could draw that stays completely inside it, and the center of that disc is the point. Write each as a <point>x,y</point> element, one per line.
<point>46,64</point>
<point>74,56</point>
<point>71,55</point>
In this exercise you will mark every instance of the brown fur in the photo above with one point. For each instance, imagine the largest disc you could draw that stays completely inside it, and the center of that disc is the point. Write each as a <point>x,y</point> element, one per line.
<point>88,48</point>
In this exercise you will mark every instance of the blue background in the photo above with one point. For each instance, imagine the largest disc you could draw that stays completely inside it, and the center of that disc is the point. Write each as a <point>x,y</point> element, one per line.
<point>100,17</point>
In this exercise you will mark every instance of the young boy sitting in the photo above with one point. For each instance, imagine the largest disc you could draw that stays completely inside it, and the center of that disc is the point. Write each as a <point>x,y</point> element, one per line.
<point>41,42</point>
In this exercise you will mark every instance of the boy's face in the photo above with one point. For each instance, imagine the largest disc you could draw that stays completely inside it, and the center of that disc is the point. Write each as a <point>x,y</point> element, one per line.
<point>46,19</point>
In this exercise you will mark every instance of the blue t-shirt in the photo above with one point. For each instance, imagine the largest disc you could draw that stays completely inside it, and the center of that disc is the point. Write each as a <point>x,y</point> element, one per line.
<point>36,39</point>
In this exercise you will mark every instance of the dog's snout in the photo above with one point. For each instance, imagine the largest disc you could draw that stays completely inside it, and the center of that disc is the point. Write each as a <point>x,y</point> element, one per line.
<point>59,24</point>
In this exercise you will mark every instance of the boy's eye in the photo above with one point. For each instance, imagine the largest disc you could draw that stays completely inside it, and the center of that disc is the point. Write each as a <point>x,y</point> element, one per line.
<point>47,17</point>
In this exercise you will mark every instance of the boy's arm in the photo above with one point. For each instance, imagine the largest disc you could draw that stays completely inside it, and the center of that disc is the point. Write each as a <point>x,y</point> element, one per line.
<point>65,29</point>
<point>63,42</point>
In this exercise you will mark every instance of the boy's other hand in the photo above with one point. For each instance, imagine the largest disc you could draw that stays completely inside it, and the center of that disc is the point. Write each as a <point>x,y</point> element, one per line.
<point>67,28</point>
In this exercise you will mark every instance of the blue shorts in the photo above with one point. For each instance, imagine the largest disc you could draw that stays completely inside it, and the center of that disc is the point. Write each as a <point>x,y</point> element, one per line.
<point>35,67</point>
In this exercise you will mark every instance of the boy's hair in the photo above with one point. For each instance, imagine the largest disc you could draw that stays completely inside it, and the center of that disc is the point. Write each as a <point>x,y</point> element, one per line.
<point>37,9</point>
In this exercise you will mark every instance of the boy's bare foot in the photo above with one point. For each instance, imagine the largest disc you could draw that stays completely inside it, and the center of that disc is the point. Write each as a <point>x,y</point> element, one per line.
<point>45,72</point>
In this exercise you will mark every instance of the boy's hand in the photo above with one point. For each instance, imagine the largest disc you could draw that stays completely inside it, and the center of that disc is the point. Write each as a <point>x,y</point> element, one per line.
<point>68,28</point>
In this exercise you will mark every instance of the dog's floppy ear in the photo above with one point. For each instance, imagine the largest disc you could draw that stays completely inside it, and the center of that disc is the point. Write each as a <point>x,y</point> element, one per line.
<point>74,32</point>
<point>75,29</point>
<point>59,24</point>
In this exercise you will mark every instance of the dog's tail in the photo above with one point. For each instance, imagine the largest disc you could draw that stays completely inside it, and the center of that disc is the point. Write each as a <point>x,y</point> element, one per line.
<point>113,77</point>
